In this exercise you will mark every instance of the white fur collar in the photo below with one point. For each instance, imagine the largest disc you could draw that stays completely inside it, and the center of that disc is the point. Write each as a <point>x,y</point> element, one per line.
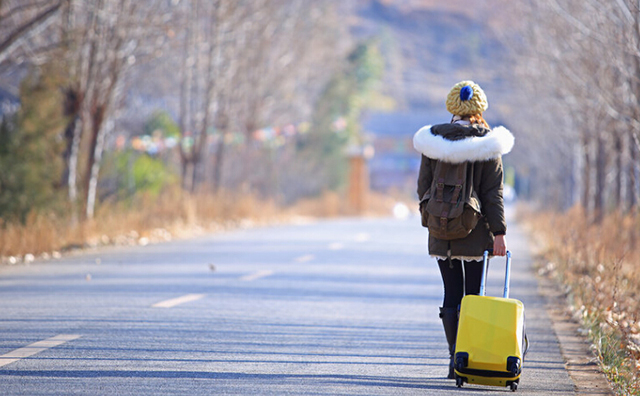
<point>497,142</point>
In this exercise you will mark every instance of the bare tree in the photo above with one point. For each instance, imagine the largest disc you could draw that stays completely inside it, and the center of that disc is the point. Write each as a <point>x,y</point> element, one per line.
<point>104,40</point>
<point>242,65</point>
<point>20,20</point>
<point>204,72</point>
<point>99,41</point>
<point>583,56</point>
<point>245,63</point>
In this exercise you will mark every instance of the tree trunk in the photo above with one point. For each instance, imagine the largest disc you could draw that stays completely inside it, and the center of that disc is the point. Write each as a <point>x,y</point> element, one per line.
<point>208,106</point>
<point>617,191</point>
<point>194,174</point>
<point>634,174</point>
<point>217,166</point>
<point>634,161</point>
<point>72,111</point>
<point>70,156</point>
<point>186,157</point>
<point>95,172</point>
<point>94,153</point>
<point>586,175</point>
<point>601,165</point>
<point>73,170</point>
<point>14,38</point>
<point>577,182</point>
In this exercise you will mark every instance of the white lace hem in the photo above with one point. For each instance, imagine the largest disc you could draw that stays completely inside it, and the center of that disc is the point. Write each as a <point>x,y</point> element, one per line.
<point>463,258</point>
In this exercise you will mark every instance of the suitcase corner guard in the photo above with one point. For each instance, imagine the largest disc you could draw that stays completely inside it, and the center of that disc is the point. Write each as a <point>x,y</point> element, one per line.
<point>514,365</point>
<point>461,360</point>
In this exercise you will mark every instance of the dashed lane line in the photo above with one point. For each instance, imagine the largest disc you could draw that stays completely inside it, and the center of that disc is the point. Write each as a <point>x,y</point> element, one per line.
<point>36,347</point>
<point>256,275</point>
<point>177,301</point>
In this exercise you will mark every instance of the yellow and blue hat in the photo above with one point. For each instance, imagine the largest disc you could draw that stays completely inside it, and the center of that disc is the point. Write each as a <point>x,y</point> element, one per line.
<point>466,98</point>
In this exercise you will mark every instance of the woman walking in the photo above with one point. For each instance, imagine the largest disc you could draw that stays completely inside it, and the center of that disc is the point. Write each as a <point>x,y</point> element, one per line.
<point>460,189</point>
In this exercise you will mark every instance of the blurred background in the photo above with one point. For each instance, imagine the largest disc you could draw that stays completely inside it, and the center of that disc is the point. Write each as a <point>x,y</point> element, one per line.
<point>120,115</point>
<point>134,121</point>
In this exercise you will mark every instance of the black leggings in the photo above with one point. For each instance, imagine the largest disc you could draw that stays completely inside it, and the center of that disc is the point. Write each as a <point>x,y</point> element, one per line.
<point>457,282</point>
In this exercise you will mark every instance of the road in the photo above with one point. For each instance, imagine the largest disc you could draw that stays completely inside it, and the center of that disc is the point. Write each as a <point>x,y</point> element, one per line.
<point>339,307</point>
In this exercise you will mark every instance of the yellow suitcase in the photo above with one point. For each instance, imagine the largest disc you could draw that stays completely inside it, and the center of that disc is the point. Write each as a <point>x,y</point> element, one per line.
<point>491,341</point>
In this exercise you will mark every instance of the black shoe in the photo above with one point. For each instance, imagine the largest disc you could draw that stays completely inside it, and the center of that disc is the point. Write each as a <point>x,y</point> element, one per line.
<point>452,372</point>
<point>449,318</point>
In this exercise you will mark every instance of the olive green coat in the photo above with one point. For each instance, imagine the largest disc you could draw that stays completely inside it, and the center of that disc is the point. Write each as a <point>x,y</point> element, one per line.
<point>483,149</point>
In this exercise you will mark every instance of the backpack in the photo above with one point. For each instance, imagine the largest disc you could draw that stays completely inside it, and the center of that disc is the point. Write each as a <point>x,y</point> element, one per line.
<point>450,208</point>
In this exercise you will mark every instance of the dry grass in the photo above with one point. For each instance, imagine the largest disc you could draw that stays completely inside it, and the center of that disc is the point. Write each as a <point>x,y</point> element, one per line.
<point>170,215</point>
<point>173,214</point>
<point>598,265</point>
<point>332,204</point>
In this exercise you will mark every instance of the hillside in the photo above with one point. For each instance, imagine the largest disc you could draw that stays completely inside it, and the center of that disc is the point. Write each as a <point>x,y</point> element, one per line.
<point>430,45</point>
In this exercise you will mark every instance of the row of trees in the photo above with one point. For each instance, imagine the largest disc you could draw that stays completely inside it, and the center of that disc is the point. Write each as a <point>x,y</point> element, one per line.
<point>579,87</point>
<point>244,63</point>
<point>223,66</point>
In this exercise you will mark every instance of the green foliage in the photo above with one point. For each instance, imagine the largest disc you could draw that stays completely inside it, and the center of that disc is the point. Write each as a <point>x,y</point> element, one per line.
<point>352,90</point>
<point>162,121</point>
<point>138,173</point>
<point>151,174</point>
<point>9,177</point>
<point>129,174</point>
<point>367,67</point>
<point>31,148</point>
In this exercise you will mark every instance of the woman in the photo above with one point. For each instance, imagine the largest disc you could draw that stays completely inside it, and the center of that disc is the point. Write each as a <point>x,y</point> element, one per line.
<point>467,139</point>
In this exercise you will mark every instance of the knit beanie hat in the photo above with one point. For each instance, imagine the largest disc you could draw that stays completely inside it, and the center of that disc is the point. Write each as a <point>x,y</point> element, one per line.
<point>466,98</point>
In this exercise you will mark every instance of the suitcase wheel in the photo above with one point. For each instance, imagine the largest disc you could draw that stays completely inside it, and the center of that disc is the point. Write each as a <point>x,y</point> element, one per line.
<point>459,381</point>
<point>514,386</point>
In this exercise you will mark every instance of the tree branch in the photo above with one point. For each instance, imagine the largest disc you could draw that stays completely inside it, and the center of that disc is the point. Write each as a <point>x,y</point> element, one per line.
<point>39,19</point>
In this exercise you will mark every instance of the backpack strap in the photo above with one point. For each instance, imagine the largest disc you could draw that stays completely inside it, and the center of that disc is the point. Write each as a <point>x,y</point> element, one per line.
<point>439,183</point>
<point>440,190</point>
<point>446,209</point>
<point>458,187</point>
<point>457,190</point>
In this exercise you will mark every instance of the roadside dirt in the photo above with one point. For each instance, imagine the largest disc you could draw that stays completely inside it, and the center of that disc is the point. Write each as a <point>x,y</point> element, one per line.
<point>579,359</point>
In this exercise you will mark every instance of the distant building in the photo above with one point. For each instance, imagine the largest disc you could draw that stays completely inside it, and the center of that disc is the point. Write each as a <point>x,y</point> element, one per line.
<point>396,163</point>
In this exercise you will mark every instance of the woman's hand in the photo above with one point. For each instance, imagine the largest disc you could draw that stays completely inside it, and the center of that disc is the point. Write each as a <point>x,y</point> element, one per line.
<point>500,245</point>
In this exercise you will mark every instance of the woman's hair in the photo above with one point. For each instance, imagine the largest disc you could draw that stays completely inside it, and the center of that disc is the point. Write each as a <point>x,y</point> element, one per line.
<point>473,119</point>
<point>477,119</point>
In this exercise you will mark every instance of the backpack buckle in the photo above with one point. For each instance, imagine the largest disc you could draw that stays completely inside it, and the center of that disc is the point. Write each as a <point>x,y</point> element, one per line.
<point>444,220</point>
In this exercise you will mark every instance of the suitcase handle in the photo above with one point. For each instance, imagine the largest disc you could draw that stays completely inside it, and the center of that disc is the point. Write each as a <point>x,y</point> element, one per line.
<point>485,271</point>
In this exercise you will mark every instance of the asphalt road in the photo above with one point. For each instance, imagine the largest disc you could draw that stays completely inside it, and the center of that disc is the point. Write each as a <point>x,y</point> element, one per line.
<point>341,307</point>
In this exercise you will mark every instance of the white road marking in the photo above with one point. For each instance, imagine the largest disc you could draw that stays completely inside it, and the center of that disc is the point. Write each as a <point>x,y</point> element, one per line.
<point>177,301</point>
<point>36,347</point>
<point>305,258</point>
<point>362,237</point>
<point>256,275</point>
<point>336,246</point>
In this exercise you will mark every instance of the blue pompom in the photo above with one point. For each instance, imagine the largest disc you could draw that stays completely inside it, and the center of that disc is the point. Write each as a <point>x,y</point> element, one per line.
<point>466,93</point>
